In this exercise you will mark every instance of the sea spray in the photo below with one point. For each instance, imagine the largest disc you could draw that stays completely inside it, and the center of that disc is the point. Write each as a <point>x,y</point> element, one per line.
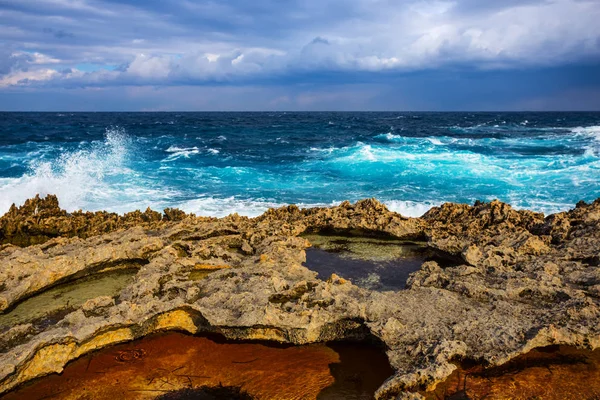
<point>220,163</point>
<point>90,174</point>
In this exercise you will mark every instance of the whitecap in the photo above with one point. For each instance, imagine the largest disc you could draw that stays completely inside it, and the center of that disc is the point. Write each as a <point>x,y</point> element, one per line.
<point>221,207</point>
<point>178,152</point>
<point>328,150</point>
<point>411,208</point>
<point>95,176</point>
<point>591,133</point>
<point>390,137</point>
<point>366,153</point>
<point>435,141</point>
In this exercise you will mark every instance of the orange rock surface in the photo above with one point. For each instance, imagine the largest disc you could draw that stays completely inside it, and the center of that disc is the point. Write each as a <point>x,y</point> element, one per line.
<point>149,367</point>
<point>553,373</point>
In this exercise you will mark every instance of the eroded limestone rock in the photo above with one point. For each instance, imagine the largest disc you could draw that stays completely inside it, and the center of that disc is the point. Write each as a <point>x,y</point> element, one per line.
<point>517,281</point>
<point>39,220</point>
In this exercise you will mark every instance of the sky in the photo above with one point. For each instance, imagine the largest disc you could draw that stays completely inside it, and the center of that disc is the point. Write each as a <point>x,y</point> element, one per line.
<point>305,55</point>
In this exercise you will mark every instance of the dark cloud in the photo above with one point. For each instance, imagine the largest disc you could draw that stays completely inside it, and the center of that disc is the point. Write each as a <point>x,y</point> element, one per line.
<point>562,88</point>
<point>11,60</point>
<point>60,34</point>
<point>109,44</point>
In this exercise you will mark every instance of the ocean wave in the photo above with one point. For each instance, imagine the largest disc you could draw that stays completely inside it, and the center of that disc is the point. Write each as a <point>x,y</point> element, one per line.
<point>96,177</point>
<point>504,129</point>
<point>390,137</point>
<point>416,140</point>
<point>411,208</point>
<point>533,142</point>
<point>327,150</point>
<point>592,134</point>
<point>529,131</point>
<point>187,152</point>
<point>178,152</point>
<point>545,169</point>
<point>435,141</point>
<point>367,153</point>
<point>221,207</point>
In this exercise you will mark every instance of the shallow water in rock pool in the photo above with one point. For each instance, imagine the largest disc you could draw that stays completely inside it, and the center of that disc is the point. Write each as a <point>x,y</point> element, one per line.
<point>50,305</point>
<point>369,262</point>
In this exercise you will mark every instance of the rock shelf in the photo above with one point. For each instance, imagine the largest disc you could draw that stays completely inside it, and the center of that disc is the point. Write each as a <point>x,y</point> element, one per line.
<point>518,281</point>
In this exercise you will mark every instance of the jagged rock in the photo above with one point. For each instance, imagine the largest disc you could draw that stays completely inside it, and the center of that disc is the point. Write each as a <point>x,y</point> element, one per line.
<point>522,281</point>
<point>39,220</point>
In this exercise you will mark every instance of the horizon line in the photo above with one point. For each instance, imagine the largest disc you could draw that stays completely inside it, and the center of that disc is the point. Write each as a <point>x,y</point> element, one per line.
<point>307,111</point>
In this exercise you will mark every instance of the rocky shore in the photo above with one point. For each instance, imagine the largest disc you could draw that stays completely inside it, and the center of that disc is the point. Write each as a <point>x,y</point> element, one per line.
<point>503,282</point>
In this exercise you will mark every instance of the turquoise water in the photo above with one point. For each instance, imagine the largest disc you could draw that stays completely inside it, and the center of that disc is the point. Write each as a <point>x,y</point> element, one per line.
<point>219,163</point>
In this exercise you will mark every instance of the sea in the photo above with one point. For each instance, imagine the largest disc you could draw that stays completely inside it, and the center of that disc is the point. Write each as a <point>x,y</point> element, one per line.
<point>215,164</point>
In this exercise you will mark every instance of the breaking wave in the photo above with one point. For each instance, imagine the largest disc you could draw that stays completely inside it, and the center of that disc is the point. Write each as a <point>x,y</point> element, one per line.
<point>220,168</point>
<point>91,178</point>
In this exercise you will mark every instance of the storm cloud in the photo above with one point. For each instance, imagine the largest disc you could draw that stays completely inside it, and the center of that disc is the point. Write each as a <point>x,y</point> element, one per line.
<point>409,54</point>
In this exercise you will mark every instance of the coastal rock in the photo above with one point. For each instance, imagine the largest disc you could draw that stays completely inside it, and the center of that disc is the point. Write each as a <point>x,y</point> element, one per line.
<point>41,219</point>
<point>502,283</point>
<point>25,272</point>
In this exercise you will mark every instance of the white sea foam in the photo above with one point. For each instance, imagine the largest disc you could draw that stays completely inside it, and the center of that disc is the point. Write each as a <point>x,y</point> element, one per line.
<point>178,152</point>
<point>220,207</point>
<point>79,178</point>
<point>366,152</point>
<point>390,136</point>
<point>546,207</point>
<point>591,133</point>
<point>435,141</point>
<point>328,150</point>
<point>421,159</point>
<point>411,208</point>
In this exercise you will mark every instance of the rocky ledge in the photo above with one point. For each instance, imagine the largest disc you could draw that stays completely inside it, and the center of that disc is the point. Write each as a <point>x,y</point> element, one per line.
<point>517,281</point>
